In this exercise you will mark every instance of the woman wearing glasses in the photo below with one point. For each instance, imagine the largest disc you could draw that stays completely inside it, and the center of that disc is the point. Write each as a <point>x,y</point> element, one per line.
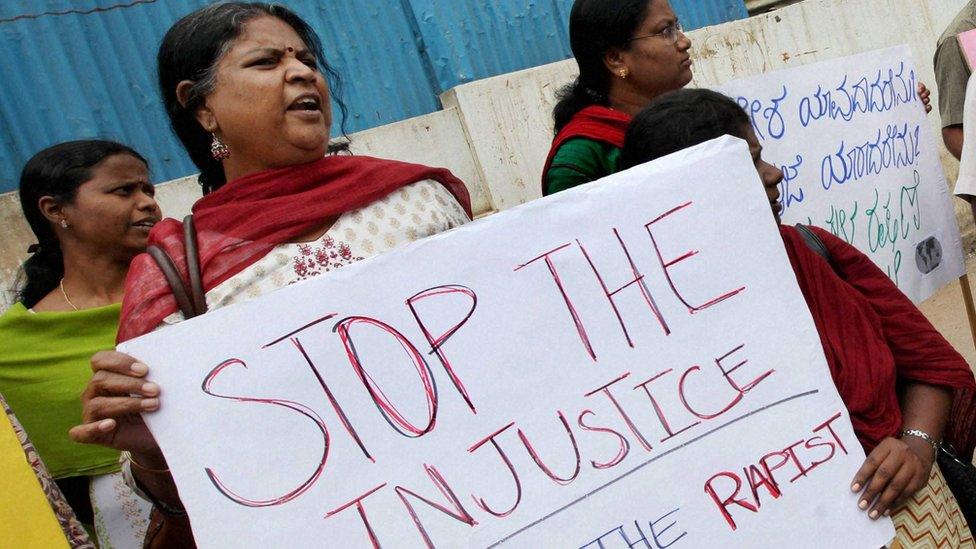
<point>629,52</point>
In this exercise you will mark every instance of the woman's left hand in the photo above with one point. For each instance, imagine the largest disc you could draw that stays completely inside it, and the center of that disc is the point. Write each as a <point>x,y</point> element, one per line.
<point>925,96</point>
<point>892,473</point>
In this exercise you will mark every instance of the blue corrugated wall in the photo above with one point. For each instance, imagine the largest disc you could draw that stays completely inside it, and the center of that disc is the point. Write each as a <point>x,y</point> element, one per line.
<point>71,69</point>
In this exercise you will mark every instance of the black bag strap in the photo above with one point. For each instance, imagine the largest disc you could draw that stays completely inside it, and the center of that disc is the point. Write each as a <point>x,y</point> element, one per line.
<point>814,242</point>
<point>191,300</point>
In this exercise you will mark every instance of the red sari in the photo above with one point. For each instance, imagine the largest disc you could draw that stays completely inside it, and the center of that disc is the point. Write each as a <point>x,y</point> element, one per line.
<point>245,219</point>
<point>595,122</point>
<point>874,337</point>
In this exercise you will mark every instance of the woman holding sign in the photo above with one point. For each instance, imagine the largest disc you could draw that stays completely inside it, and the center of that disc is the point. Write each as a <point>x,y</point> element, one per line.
<point>895,373</point>
<point>245,86</point>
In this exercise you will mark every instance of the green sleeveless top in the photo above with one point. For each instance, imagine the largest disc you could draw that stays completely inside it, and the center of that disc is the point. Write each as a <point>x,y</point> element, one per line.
<point>45,364</point>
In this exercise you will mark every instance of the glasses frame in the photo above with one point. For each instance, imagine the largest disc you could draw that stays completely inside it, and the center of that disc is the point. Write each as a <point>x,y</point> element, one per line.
<point>671,33</point>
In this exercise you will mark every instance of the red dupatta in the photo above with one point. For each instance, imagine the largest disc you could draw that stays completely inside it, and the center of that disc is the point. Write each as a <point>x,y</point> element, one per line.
<point>874,337</point>
<point>595,122</point>
<point>246,218</point>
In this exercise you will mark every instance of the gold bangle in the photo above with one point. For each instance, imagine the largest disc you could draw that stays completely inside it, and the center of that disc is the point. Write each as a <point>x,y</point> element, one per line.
<point>127,456</point>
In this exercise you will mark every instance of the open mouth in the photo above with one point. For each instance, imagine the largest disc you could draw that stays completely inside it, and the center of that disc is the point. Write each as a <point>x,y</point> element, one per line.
<point>146,223</point>
<point>309,102</point>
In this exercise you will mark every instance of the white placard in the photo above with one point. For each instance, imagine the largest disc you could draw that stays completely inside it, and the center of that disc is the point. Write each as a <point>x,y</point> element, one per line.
<point>861,161</point>
<point>565,404</point>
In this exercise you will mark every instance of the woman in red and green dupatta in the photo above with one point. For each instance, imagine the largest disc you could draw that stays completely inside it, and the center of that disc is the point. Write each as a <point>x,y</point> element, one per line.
<point>628,52</point>
<point>245,94</point>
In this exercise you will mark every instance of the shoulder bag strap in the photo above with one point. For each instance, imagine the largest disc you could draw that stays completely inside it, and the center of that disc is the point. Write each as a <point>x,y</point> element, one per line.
<point>814,242</point>
<point>175,281</point>
<point>197,293</point>
<point>191,300</point>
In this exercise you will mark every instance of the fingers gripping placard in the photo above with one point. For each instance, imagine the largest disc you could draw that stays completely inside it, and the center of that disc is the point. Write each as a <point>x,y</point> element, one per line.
<point>627,361</point>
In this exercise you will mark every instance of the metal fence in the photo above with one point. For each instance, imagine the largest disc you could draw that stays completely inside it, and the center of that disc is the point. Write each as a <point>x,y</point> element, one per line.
<point>72,69</point>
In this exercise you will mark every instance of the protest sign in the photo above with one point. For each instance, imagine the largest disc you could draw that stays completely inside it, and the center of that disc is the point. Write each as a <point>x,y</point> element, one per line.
<point>859,159</point>
<point>627,360</point>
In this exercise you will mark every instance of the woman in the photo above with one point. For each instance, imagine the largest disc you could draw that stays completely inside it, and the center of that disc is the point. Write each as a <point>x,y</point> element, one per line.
<point>91,206</point>
<point>894,371</point>
<point>245,95</point>
<point>628,52</point>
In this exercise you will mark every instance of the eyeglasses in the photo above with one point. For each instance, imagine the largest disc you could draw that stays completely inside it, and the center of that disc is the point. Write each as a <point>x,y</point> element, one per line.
<point>671,33</point>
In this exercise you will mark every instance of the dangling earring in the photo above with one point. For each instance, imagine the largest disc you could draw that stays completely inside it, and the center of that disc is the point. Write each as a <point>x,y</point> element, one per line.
<point>64,223</point>
<point>218,149</point>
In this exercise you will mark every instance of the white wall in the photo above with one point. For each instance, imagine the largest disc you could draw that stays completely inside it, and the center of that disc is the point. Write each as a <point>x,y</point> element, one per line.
<point>495,133</point>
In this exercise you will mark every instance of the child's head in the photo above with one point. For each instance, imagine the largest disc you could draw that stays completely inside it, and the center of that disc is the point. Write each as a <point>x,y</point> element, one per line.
<point>687,117</point>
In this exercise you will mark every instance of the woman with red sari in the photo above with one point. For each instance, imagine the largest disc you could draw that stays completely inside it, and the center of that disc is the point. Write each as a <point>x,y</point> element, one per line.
<point>628,52</point>
<point>905,387</point>
<point>245,94</point>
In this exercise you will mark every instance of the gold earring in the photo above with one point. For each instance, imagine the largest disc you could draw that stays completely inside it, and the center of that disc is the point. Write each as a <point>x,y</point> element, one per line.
<point>624,73</point>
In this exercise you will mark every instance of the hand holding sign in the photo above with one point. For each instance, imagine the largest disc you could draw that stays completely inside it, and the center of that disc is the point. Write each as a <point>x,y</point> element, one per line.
<point>113,402</point>
<point>622,376</point>
<point>892,472</point>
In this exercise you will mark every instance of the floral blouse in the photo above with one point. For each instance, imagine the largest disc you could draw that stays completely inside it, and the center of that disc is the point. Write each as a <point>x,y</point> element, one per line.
<point>405,215</point>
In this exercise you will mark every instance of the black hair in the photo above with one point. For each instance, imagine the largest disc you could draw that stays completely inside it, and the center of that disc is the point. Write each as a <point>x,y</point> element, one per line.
<point>57,172</point>
<point>595,26</point>
<point>678,120</point>
<point>191,50</point>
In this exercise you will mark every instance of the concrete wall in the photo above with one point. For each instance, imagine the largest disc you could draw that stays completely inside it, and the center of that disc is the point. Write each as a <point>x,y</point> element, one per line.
<point>495,133</point>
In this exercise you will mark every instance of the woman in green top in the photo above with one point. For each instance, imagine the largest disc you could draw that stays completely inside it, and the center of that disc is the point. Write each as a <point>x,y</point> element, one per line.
<point>90,205</point>
<point>628,52</point>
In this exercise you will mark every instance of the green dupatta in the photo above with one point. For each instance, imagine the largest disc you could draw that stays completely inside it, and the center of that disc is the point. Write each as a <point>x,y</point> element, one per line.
<point>45,364</point>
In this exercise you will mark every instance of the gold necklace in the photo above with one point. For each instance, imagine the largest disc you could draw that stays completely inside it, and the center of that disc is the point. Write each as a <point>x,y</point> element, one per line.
<point>65,294</point>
